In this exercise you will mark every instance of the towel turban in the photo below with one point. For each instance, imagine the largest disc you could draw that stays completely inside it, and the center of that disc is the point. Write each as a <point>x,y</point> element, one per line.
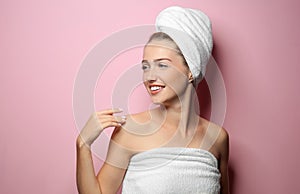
<point>191,31</point>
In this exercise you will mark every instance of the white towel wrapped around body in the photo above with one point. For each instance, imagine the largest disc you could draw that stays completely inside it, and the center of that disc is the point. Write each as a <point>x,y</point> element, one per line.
<point>172,170</point>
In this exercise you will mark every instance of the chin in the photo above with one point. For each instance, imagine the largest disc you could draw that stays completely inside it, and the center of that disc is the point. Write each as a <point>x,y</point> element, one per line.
<point>165,99</point>
<point>156,101</point>
<point>160,101</point>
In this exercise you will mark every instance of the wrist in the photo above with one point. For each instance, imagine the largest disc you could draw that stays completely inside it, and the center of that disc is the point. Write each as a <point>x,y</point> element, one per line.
<point>80,143</point>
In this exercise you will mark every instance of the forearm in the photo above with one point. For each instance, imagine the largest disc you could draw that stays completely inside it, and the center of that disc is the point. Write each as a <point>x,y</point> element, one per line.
<point>225,185</point>
<point>85,175</point>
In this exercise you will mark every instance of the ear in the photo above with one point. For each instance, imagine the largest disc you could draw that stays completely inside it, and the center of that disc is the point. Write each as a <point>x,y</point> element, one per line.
<point>190,75</point>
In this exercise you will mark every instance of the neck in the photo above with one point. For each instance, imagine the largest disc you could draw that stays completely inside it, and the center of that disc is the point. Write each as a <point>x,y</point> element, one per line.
<point>181,115</point>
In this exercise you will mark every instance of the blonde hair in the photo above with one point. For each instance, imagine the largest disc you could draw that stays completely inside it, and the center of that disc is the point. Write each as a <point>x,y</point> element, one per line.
<point>161,36</point>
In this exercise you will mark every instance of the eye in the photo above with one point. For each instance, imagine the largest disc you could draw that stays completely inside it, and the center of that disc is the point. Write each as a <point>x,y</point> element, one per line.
<point>145,66</point>
<point>162,65</point>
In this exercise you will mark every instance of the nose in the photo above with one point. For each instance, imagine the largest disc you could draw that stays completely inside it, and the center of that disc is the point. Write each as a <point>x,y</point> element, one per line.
<point>150,75</point>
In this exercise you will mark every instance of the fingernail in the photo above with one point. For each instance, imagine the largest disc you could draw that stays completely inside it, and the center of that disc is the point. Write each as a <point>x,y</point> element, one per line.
<point>120,109</point>
<point>123,117</point>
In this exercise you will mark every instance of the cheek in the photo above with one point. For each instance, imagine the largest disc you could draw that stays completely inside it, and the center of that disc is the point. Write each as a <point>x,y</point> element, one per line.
<point>144,77</point>
<point>176,80</point>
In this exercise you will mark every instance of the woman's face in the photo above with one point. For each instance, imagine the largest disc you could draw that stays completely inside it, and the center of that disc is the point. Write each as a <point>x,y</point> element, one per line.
<point>165,75</point>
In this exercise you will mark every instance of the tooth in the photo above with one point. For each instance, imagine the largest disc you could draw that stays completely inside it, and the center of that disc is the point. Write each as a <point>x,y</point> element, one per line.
<point>154,88</point>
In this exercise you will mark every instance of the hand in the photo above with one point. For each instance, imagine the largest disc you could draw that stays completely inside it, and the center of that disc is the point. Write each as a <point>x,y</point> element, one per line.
<point>97,122</point>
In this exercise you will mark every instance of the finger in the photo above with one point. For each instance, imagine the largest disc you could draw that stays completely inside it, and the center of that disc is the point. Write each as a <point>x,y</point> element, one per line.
<point>118,119</point>
<point>110,116</point>
<point>112,124</point>
<point>110,111</point>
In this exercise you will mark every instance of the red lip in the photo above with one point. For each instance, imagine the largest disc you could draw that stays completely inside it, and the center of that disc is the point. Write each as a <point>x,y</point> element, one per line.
<point>161,87</point>
<point>150,85</point>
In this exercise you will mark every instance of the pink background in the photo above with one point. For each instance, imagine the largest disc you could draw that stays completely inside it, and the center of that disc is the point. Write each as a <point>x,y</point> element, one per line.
<point>42,45</point>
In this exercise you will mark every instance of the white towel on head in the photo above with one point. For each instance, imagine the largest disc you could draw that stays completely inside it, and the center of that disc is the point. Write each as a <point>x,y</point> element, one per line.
<point>168,170</point>
<point>191,31</point>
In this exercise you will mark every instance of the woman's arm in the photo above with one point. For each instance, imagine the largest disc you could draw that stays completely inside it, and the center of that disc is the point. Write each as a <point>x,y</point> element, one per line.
<point>85,176</point>
<point>87,181</point>
<point>113,170</point>
<point>109,177</point>
<point>224,156</point>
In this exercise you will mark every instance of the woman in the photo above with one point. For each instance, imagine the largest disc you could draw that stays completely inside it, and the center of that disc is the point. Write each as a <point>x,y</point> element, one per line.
<point>169,149</point>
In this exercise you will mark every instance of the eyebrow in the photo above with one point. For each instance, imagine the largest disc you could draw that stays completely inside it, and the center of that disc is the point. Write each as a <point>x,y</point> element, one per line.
<point>156,60</point>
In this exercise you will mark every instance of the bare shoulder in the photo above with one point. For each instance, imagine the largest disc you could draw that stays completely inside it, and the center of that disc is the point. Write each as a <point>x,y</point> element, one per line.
<point>128,134</point>
<point>223,136</point>
<point>222,143</point>
<point>214,128</point>
<point>124,142</point>
<point>219,136</point>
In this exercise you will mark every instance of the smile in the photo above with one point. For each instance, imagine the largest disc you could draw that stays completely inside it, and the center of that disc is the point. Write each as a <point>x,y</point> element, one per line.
<point>156,89</point>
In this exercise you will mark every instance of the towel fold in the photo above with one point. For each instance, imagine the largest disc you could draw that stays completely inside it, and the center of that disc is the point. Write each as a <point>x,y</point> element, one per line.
<point>191,31</point>
<point>172,170</point>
